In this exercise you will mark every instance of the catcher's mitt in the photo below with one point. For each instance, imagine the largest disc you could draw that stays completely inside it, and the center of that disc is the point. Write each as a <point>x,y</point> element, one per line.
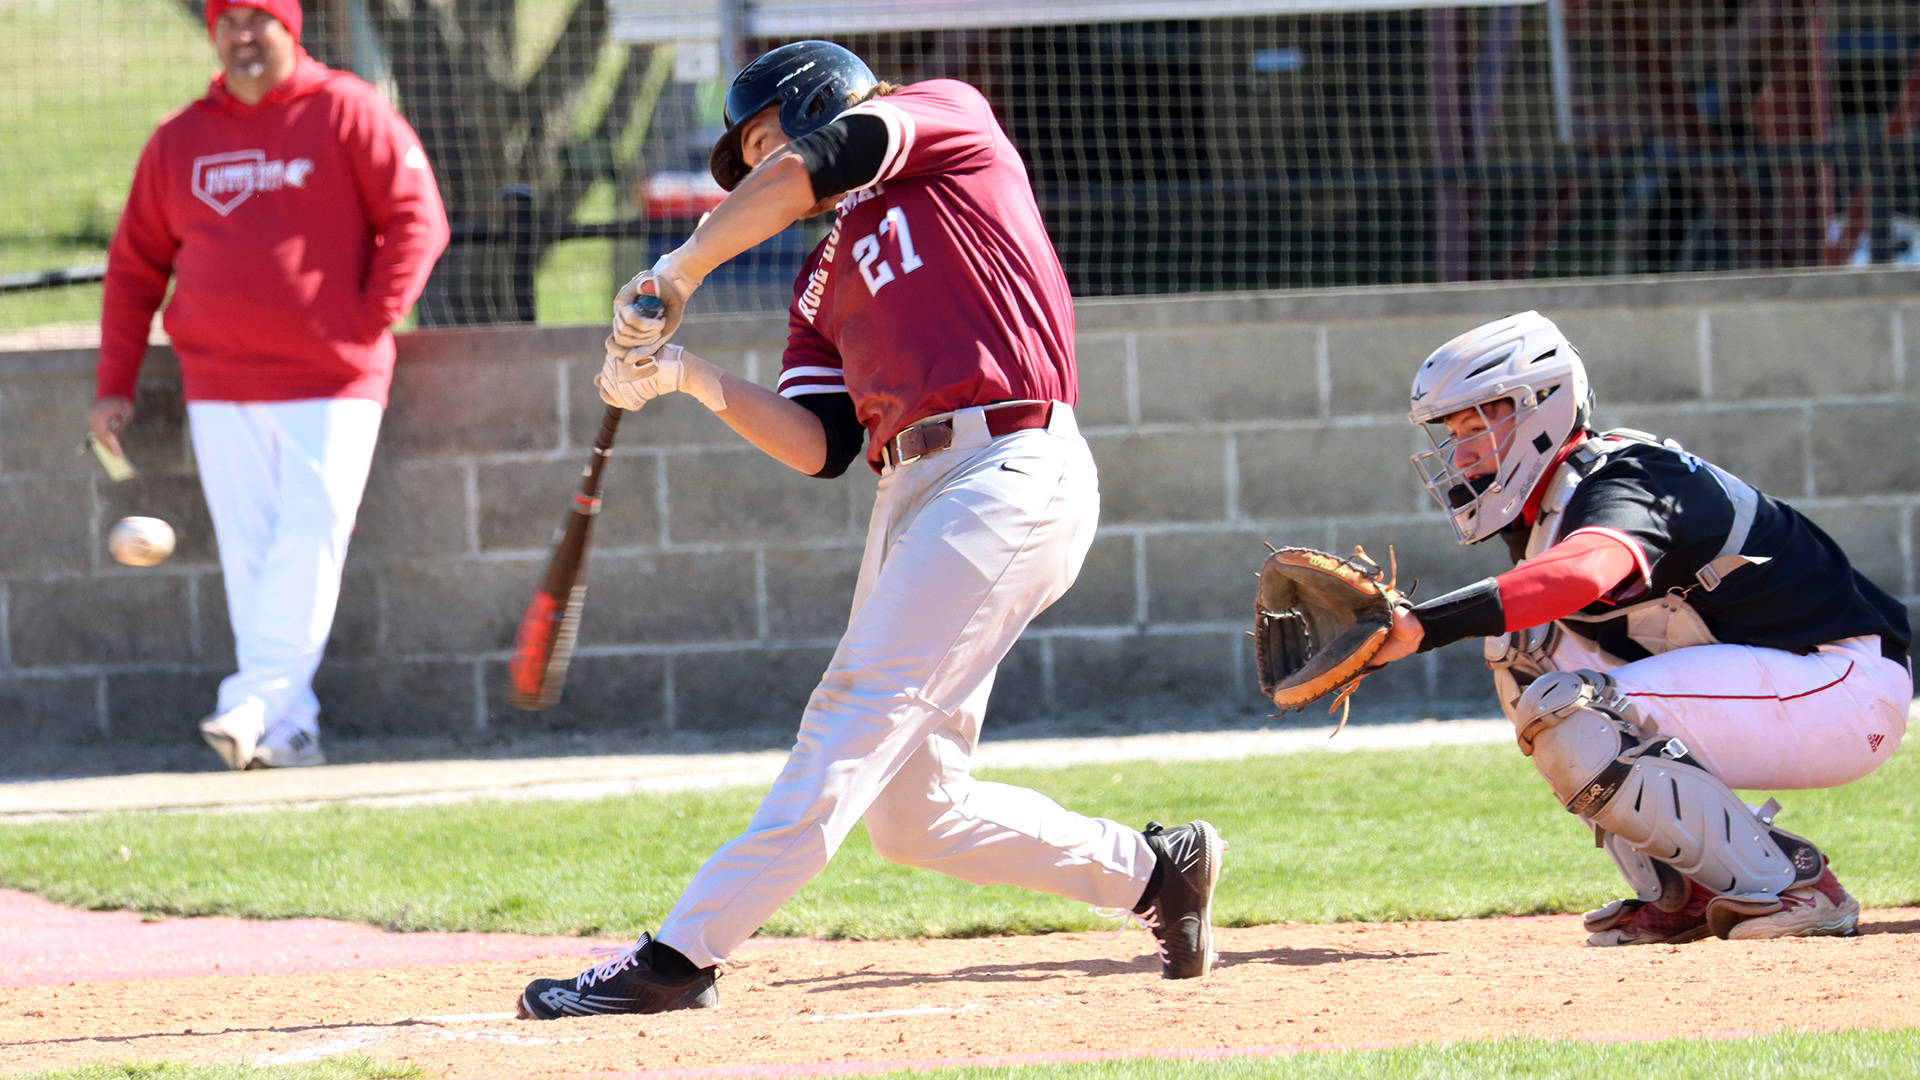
<point>1318,620</point>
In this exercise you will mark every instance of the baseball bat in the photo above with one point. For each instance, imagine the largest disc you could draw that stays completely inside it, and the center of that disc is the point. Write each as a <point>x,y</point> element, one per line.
<point>543,644</point>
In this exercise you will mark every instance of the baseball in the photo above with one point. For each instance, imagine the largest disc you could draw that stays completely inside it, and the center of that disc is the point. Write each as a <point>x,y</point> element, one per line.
<point>140,541</point>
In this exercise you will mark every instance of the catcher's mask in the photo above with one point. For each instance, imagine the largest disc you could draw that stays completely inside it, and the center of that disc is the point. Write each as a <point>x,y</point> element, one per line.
<point>811,81</point>
<point>1523,359</point>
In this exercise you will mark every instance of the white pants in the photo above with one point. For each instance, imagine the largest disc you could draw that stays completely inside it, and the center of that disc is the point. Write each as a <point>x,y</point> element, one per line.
<point>283,482</point>
<point>1764,719</point>
<point>965,547</point>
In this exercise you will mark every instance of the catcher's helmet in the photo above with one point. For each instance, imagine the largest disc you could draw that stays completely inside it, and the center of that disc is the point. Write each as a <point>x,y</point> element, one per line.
<point>1524,359</point>
<point>812,81</point>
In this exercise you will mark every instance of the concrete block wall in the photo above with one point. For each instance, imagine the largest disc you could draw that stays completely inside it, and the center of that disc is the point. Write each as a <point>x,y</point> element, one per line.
<point>720,579</point>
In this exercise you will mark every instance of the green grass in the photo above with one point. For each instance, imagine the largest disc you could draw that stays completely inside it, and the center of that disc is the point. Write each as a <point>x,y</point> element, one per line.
<point>576,280</point>
<point>1455,832</point>
<point>1858,1055</point>
<point>83,84</point>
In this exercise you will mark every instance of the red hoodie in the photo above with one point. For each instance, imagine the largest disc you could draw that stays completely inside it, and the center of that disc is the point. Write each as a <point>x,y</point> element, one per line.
<point>296,230</point>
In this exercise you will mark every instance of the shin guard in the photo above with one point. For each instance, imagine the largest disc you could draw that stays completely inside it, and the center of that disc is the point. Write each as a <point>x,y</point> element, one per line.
<point>1652,796</point>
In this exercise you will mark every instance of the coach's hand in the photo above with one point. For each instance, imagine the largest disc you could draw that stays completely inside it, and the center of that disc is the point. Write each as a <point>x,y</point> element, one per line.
<point>107,418</point>
<point>667,280</point>
<point>632,378</point>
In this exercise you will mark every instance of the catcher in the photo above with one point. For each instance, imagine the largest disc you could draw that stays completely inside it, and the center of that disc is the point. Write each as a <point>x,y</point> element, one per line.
<point>1668,633</point>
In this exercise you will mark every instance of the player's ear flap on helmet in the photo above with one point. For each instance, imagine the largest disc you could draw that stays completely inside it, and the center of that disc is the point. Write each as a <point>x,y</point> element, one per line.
<point>1524,359</point>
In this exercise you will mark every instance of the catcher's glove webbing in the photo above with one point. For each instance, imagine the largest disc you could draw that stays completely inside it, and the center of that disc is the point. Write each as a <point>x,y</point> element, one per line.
<point>1318,621</point>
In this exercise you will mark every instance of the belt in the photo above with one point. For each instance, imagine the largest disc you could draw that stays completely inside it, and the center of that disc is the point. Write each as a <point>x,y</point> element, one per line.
<point>927,436</point>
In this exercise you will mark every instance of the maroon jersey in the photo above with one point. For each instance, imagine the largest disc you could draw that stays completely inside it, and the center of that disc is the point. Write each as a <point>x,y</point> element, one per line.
<point>937,288</point>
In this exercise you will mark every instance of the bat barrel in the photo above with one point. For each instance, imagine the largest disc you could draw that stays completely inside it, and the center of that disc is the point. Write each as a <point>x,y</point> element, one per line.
<point>543,645</point>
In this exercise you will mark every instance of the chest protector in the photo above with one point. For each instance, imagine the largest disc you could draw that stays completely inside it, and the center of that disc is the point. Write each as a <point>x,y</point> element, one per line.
<point>1666,622</point>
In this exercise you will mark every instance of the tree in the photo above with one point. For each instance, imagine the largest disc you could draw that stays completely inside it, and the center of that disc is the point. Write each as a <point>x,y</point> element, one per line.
<point>486,126</point>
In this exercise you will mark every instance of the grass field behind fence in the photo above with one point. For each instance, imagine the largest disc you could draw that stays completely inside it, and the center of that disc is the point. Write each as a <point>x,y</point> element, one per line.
<point>1447,832</point>
<point>83,83</point>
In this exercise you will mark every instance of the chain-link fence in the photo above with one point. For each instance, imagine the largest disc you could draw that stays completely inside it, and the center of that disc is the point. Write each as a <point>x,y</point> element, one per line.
<point>1196,146</point>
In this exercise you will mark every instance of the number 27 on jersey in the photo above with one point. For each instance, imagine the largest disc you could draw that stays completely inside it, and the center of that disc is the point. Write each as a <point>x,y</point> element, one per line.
<point>875,269</point>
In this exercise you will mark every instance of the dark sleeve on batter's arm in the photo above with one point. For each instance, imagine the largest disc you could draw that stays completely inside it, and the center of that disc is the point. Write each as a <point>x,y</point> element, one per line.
<point>1559,581</point>
<point>846,436</point>
<point>844,155</point>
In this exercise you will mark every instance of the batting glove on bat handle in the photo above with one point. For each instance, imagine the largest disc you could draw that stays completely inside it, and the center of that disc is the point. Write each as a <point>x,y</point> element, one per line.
<point>632,380</point>
<point>643,310</point>
<point>635,329</point>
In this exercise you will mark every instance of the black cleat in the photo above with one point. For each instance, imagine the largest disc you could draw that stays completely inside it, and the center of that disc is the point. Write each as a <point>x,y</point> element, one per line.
<point>624,984</point>
<point>1181,916</point>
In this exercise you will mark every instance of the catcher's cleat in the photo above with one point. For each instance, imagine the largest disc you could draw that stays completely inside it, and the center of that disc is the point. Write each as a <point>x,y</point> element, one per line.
<point>625,983</point>
<point>1636,922</point>
<point>287,747</point>
<point>234,734</point>
<point>1822,909</point>
<point>1181,911</point>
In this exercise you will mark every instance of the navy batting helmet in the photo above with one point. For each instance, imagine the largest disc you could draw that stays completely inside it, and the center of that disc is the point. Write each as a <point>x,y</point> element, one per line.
<point>812,81</point>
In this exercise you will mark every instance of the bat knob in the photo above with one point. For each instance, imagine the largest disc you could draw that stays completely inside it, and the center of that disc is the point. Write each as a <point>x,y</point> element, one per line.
<point>650,307</point>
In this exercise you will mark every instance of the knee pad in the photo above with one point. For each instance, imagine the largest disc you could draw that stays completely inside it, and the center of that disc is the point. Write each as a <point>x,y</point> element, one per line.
<point>1570,740</point>
<point>1516,659</point>
<point>1652,795</point>
<point>1558,695</point>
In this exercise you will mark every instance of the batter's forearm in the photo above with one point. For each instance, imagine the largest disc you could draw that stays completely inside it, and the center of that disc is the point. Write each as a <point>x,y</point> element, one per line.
<point>772,197</point>
<point>782,430</point>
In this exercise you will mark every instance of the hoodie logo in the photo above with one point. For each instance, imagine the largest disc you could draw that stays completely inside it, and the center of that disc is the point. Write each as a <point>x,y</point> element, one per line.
<point>224,181</point>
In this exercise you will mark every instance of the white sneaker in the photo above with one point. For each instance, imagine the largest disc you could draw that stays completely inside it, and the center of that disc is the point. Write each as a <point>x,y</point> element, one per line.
<point>234,734</point>
<point>287,747</point>
<point>1821,909</point>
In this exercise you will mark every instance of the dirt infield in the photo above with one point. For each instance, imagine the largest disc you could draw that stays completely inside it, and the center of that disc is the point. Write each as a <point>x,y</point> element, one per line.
<point>90,987</point>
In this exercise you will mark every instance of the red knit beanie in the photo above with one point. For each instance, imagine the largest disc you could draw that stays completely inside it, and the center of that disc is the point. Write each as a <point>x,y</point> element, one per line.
<point>287,11</point>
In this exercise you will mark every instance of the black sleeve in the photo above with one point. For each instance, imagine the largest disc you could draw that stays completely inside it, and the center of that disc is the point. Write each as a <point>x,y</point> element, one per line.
<point>844,155</point>
<point>1470,611</point>
<point>846,436</point>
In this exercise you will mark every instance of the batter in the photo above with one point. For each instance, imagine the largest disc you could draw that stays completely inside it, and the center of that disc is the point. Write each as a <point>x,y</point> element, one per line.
<point>1669,633</point>
<point>932,329</point>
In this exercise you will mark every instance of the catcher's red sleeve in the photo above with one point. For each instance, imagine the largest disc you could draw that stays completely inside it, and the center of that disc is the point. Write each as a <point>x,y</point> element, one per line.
<point>1586,566</point>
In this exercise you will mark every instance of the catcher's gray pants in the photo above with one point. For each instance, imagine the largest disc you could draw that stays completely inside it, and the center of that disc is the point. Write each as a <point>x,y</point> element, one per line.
<point>965,547</point>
